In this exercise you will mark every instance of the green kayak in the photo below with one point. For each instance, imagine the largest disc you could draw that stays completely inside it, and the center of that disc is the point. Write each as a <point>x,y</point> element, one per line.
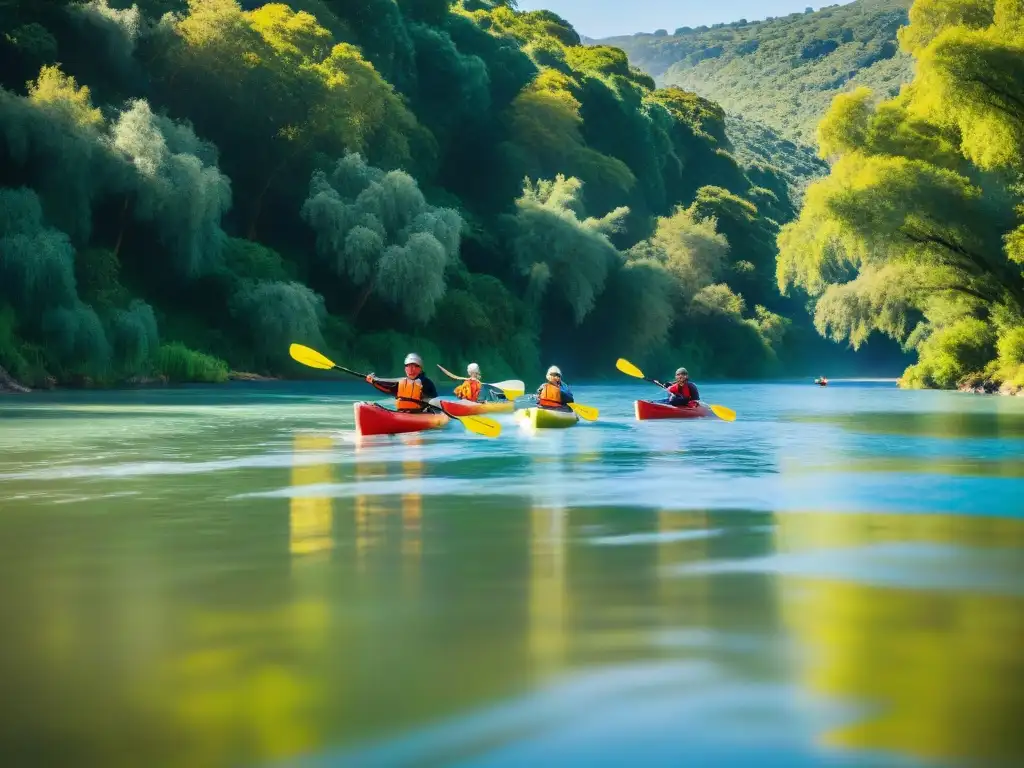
<point>547,418</point>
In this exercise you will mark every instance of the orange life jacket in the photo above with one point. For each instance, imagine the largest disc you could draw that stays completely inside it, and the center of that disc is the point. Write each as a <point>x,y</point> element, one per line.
<point>409,388</point>
<point>468,390</point>
<point>550,396</point>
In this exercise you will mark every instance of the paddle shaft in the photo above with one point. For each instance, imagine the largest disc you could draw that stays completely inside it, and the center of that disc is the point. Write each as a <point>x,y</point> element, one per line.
<point>424,403</point>
<point>665,386</point>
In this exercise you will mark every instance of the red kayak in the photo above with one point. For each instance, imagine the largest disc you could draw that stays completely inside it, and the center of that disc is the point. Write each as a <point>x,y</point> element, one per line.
<point>471,408</point>
<point>373,419</point>
<point>646,410</point>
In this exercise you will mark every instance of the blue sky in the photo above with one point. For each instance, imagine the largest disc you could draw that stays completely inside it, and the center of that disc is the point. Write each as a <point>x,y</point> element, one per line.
<point>604,18</point>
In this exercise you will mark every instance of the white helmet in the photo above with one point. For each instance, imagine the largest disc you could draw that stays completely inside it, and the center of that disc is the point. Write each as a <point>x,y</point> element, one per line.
<point>472,368</point>
<point>412,357</point>
<point>554,370</point>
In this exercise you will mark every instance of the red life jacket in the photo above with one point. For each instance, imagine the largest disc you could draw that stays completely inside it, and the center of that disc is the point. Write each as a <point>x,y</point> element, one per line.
<point>683,391</point>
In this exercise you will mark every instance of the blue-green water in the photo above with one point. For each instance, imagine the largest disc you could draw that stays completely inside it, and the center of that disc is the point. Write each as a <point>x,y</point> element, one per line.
<point>229,576</point>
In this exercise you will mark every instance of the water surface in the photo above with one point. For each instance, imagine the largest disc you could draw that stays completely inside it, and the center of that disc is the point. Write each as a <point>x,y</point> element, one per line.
<point>228,576</point>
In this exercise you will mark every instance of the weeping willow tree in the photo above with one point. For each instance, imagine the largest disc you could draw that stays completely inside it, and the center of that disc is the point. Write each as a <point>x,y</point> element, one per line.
<point>691,249</point>
<point>272,315</point>
<point>916,232</point>
<point>377,229</point>
<point>705,327</point>
<point>185,151</point>
<point>52,139</point>
<point>563,254</point>
<point>178,186</point>
<point>36,261</point>
<point>37,279</point>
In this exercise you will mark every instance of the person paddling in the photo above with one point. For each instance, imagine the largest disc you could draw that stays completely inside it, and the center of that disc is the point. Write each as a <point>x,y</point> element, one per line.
<point>474,390</point>
<point>554,394</point>
<point>683,394</point>
<point>414,385</point>
<point>470,388</point>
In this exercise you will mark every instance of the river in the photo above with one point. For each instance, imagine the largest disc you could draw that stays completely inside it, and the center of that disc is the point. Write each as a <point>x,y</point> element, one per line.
<point>211,576</point>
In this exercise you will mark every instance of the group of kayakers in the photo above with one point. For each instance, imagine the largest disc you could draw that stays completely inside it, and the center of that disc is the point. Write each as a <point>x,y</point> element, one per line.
<point>415,391</point>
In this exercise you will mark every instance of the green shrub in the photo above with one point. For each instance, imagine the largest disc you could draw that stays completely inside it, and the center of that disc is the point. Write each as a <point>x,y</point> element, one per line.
<point>183,365</point>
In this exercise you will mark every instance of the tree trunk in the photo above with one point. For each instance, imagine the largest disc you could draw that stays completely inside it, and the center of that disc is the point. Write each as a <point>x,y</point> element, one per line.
<point>361,301</point>
<point>120,232</point>
<point>254,218</point>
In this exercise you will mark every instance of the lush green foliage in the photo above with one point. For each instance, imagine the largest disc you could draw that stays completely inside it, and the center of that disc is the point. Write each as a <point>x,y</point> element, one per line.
<point>782,71</point>
<point>369,176</point>
<point>916,232</point>
<point>777,77</point>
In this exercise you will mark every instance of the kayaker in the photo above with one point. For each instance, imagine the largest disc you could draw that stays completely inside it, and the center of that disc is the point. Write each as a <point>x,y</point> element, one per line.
<point>475,391</point>
<point>683,394</point>
<point>414,384</point>
<point>471,387</point>
<point>554,393</point>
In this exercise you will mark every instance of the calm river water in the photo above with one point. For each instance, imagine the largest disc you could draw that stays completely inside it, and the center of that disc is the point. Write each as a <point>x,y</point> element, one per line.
<point>228,577</point>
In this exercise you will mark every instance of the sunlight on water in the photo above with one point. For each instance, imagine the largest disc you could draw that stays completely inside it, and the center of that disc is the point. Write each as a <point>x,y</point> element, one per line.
<point>231,576</point>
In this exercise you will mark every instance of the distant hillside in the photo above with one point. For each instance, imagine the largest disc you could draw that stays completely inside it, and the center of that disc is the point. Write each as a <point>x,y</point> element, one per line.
<point>782,72</point>
<point>754,144</point>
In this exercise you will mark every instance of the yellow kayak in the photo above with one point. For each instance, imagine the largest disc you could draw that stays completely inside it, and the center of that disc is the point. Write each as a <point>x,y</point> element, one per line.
<point>547,418</point>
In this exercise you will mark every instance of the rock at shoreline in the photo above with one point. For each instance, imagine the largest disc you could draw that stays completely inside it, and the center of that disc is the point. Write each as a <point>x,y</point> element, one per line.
<point>147,381</point>
<point>1011,389</point>
<point>8,384</point>
<point>979,386</point>
<point>244,376</point>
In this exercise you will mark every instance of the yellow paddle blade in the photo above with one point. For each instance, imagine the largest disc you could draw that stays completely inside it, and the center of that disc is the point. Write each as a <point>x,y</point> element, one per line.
<point>481,425</point>
<point>585,412</point>
<point>512,388</point>
<point>726,414</point>
<point>628,368</point>
<point>309,357</point>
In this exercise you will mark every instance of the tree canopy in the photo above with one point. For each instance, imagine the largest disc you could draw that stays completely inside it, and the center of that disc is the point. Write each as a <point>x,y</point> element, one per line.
<point>916,231</point>
<point>195,183</point>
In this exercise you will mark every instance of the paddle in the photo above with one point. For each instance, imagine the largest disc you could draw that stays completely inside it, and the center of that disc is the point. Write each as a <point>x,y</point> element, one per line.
<point>726,414</point>
<point>512,388</point>
<point>585,412</point>
<point>310,357</point>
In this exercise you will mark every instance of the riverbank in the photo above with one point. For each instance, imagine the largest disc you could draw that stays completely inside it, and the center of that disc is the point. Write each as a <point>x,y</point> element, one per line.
<point>982,386</point>
<point>9,385</point>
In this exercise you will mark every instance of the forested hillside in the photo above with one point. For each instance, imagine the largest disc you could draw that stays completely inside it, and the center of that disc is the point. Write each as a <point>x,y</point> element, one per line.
<point>783,71</point>
<point>190,186</point>
<point>918,231</point>
<point>776,78</point>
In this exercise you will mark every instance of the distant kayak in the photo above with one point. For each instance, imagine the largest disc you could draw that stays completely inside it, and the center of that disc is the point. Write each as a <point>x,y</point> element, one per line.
<point>645,410</point>
<point>547,418</point>
<point>373,419</point>
<point>469,408</point>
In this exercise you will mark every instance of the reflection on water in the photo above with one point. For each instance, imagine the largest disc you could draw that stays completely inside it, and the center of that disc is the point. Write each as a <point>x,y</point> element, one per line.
<point>311,516</point>
<point>941,667</point>
<point>199,584</point>
<point>948,424</point>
